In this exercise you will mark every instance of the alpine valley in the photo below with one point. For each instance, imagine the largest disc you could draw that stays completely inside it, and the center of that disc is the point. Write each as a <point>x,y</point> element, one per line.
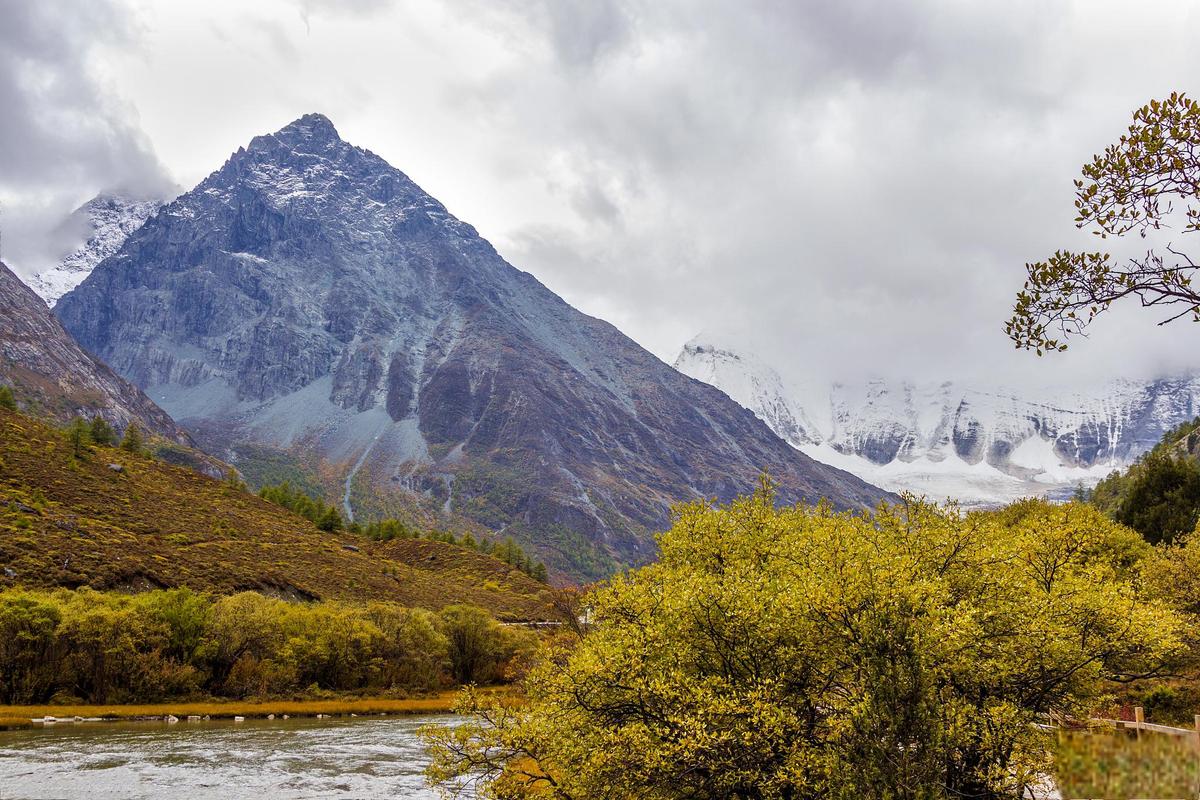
<point>979,445</point>
<point>308,308</point>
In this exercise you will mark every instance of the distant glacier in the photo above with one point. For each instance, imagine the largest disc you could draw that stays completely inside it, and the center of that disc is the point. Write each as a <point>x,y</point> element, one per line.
<point>978,445</point>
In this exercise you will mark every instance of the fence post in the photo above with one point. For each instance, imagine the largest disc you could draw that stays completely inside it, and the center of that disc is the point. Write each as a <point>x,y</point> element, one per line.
<point>1139,717</point>
<point>1198,731</point>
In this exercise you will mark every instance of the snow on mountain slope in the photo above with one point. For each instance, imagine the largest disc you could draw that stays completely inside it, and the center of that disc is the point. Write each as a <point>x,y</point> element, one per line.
<point>976,444</point>
<point>307,297</point>
<point>106,221</point>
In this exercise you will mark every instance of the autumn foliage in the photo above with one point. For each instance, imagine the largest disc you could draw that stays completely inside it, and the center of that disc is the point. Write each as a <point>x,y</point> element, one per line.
<point>802,653</point>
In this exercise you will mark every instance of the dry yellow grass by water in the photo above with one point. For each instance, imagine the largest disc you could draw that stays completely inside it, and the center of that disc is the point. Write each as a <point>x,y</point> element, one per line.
<point>13,716</point>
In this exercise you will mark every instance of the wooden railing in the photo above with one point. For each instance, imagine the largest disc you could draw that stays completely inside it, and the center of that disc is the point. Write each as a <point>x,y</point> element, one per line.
<point>1139,724</point>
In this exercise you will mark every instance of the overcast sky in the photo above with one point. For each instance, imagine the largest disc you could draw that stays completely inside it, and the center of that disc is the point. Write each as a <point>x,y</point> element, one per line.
<point>851,186</point>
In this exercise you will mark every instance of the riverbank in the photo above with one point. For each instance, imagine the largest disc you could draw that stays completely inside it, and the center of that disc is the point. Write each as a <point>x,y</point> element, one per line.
<point>24,716</point>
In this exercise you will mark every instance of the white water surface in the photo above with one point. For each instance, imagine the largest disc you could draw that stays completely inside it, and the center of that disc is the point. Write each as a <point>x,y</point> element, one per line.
<point>374,757</point>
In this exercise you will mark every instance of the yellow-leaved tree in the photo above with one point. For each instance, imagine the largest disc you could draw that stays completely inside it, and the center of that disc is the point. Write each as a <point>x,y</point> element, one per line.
<point>802,653</point>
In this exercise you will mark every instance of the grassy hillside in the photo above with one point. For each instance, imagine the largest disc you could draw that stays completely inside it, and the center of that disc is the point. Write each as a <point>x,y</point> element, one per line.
<point>117,520</point>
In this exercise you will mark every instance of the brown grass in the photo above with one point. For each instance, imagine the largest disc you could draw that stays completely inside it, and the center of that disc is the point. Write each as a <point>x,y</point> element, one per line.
<point>1117,765</point>
<point>69,522</point>
<point>440,704</point>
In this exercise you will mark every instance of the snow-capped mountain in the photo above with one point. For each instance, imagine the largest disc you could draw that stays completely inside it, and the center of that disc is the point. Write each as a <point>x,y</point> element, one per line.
<point>105,222</point>
<point>976,444</point>
<point>310,298</point>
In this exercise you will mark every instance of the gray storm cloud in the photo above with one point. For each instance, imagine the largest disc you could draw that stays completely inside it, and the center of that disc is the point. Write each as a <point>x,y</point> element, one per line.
<point>64,136</point>
<point>852,186</point>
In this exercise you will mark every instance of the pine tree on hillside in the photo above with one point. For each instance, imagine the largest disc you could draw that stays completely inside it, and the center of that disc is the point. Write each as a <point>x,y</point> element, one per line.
<point>132,440</point>
<point>330,520</point>
<point>79,436</point>
<point>7,399</point>
<point>1163,500</point>
<point>1159,494</point>
<point>101,432</point>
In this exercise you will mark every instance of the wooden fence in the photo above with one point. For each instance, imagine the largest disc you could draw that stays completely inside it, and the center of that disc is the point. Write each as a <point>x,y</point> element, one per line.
<point>1139,725</point>
<point>1165,767</point>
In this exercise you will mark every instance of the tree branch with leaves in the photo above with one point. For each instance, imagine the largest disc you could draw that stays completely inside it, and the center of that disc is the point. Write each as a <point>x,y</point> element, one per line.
<point>1146,183</point>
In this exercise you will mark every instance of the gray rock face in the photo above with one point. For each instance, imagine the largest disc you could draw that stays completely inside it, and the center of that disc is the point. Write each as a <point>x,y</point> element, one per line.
<point>311,297</point>
<point>50,372</point>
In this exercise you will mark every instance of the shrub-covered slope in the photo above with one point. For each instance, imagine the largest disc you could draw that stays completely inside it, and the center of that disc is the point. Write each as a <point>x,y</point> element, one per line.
<point>118,520</point>
<point>1159,495</point>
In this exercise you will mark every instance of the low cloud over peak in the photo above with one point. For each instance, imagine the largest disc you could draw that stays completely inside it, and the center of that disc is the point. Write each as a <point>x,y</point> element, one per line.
<point>858,184</point>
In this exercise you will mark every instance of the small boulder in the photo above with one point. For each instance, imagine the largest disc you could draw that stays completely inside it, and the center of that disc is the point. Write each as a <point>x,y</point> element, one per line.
<point>116,467</point>
<point>350,547</point>
<point>239,719</point>
<point>172,719</point>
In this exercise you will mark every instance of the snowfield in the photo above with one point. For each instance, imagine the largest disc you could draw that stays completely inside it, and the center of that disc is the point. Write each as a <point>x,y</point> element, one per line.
<point>977,445</point>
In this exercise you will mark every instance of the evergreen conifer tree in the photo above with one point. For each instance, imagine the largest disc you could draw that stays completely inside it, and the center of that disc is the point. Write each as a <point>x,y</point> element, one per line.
<point>79,437</point>
<point>330,520</point>
<point>132,441</point>
<point>101,432</point>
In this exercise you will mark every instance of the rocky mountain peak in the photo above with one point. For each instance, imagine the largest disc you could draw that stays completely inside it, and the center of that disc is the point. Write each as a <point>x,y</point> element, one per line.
<point>309,297</point>
<point>309,133</point>
<point>100,226</point>
<point>323,189</point>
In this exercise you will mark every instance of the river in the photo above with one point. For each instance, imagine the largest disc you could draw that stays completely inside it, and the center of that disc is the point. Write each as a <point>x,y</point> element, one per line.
<point>299,758</point>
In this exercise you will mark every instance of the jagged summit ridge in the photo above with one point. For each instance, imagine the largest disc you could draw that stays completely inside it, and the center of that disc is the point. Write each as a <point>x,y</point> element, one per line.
<point>313,125</point>
<point>311,133</point>
<point>308,296</point>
